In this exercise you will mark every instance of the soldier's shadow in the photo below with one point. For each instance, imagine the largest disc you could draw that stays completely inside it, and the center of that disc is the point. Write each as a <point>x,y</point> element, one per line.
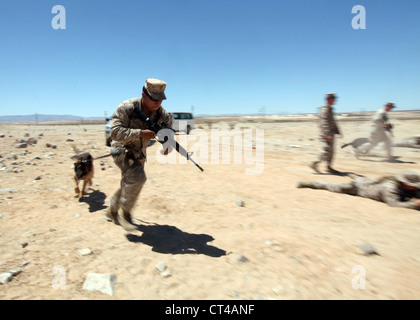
<point>340,173</point>
<point>381,159</point>
<point>169,239</point>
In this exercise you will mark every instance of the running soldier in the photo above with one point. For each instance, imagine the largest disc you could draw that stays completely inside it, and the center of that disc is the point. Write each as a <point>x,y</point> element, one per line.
<point>401,190</point>
<point>329,129</point>
<point>130,137</point>
<point>379,132</point>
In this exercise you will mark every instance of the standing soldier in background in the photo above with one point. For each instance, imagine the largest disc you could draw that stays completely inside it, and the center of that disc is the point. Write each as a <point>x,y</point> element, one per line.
<point>329,129</point>
<point>131,135</point>
<point>380,126</point>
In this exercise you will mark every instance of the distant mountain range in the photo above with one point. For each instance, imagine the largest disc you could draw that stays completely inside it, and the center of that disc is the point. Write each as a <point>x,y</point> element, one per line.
<point>66,117</point>
<point>46,117</point>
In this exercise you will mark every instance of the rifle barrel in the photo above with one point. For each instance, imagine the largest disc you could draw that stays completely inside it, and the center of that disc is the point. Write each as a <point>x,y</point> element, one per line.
<point>174,144</point>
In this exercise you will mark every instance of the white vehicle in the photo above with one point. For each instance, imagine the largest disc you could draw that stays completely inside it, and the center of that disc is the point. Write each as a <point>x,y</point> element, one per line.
<point>183,121</point>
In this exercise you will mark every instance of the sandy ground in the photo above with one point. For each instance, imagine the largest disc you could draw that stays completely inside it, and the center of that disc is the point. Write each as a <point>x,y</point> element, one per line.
<point>298,243</point>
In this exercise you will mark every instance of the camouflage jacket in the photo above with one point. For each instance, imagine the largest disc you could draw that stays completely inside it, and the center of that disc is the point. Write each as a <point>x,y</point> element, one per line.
<point>386,190</point>
<point>327,122</point>
<point>126,127</point>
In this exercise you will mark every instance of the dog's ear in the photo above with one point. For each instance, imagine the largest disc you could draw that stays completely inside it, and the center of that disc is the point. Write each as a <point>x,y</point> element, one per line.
<point>84,156</point>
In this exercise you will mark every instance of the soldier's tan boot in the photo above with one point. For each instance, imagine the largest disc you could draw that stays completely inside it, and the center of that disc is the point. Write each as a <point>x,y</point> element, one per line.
<point>392,159</point>
<point>304,184</point>
<point>314,166</point>
<point>113,216</point>
<point>126,223</point>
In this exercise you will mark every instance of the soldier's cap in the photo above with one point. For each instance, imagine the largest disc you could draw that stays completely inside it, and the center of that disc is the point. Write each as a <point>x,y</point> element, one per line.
<point>331,95</point>
<point>390,104</point>
<point>155,89</point>
<point>409,178</point>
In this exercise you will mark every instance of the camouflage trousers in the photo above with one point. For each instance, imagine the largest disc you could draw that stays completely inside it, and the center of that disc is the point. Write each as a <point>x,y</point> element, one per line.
<point>347,188</point>
<point>360,186</point>
<point>327,151</point>
<point>133,178</point>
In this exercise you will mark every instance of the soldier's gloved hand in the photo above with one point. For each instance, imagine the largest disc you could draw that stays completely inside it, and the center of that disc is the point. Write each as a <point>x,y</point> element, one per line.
<point>147,134</point>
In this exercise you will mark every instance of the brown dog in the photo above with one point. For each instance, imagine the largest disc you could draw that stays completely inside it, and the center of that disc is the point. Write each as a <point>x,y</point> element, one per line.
<point>83,170</point>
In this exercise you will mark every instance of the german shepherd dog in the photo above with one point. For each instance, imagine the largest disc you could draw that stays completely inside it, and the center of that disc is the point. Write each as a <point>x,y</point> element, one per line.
<point>356,143</point>
<point>83,170</point>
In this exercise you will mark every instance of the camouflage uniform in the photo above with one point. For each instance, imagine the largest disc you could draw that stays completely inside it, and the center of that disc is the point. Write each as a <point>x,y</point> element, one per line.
<point>413,142</point>
<point>125,133</point>
<point>328,127</point>
<point>378,133</point>
<point>385,189</point>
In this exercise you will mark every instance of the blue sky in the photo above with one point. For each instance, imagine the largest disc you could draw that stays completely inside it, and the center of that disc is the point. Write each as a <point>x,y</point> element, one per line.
<point>222,57</point>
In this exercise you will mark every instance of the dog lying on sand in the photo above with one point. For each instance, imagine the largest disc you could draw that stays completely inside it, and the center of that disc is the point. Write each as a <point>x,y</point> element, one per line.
<point>83,171</point>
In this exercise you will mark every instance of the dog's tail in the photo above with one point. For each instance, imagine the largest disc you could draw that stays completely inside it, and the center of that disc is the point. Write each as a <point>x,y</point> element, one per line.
<point>345,145</point>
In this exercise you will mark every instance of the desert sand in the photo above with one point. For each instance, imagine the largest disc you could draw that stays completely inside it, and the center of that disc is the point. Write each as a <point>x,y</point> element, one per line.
<point>221,233</point>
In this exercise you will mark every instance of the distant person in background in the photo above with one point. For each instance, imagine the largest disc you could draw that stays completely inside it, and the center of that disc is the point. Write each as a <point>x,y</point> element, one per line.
<point>381,129</point>
<point>329,129</point>
<point>401,190</point>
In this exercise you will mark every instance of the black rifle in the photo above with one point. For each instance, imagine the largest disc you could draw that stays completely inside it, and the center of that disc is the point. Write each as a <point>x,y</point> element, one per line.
<point>116,152</point>
<point>172,142</point>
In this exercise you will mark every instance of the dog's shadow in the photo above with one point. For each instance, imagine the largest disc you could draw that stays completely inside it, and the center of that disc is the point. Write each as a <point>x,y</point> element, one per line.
<point>171,240</point>
<point>95,200</point>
